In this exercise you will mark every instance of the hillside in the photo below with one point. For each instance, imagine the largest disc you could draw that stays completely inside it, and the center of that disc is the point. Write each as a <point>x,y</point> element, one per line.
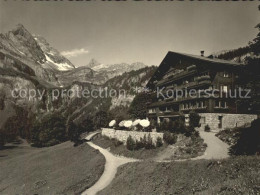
<point>238,175</point>
<point>27,170</point>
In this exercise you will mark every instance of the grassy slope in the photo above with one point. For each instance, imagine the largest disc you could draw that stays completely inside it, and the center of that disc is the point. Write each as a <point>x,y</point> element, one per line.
<point>61,169</point>
<point>234,176</point>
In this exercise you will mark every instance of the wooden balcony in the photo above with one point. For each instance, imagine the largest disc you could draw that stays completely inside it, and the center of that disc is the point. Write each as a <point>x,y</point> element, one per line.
<point>168,113</point>
<point>194,84</point>
<point>175,77</point>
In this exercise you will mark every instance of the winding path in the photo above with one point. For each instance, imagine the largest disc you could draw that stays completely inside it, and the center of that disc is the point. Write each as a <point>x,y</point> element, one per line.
<point>112,163</point>
<point>216,149</point>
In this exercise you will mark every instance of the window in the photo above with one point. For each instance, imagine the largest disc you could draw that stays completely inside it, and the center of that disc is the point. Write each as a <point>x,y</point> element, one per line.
<point>221,104</point>
<point>205,74</point>
<point>224,88</point>
<point>226,74</point>
<point>201,104</point>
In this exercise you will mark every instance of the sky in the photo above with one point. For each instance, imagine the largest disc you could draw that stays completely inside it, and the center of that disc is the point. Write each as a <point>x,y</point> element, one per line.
<point>116,32</point>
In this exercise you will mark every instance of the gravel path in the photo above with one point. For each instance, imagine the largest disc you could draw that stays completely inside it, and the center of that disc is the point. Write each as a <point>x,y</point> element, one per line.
<point>112,163</point>
<point>216,148</point>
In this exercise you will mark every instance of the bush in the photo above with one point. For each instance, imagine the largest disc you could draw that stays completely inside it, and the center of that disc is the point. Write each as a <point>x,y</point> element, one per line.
<point>100,119</point>
<point>170,126</point>
<point>169,138</point>
<point>149,142</point>
<point>188,150</point>
<point>130,143</point>
<point>179,126</point>
<point>139,127</point>
<point>116,142</point>
<point>159,142</point>
<point>163,126</point>
<point>49,130</point>
<point>18,125</point>
<point>141,144</point>
<point>247,140</point>
<point>73,132</point>
<point>138,106</point>
<point>207,128</point>
<point>194,119</point>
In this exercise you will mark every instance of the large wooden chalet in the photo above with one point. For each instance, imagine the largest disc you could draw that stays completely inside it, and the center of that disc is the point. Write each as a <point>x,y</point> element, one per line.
<point>203,75</point>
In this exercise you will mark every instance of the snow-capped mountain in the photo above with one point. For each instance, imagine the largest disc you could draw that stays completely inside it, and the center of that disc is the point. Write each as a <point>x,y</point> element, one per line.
<point>22,53</point>
<point>112,70</point>
<point>54,59</point>
<point>93,63</point>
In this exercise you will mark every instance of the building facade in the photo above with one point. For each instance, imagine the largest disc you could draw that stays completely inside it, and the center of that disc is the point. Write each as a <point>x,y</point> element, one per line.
<point>211,87</point>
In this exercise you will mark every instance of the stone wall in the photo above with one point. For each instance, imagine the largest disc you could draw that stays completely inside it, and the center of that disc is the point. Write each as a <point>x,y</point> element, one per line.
<point>123,135</point>
<point>228,120</point>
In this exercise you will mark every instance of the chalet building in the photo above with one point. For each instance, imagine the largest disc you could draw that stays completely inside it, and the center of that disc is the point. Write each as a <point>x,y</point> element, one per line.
<point>184,83</point>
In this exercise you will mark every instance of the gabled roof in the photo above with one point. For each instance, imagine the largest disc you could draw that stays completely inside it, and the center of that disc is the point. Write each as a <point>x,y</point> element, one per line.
<point>212,60</point>
<point>172,56</point>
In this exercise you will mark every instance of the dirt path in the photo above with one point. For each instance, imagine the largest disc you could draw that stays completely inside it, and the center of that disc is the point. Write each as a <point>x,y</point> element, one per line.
<point>216,149</point>
<point>112,163</point>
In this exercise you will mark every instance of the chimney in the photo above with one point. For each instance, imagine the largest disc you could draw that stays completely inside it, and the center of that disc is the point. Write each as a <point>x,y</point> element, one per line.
<point>202,53</point>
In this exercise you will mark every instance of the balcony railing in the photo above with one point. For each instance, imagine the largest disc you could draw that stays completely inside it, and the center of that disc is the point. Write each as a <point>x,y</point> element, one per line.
<point>194,84</point>
<point>176,76</point>
<point>221,108</point>
<point>167,113</point>
<point>194,108</point>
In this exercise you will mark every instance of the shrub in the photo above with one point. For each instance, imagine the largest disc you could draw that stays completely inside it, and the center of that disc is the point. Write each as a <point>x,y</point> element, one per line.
<point>179,126</point>
<point>159,142</point>
<point>149,143</point>
<point>138,106</point>
<point>169,138</point>
<point>48,130</point>
<point>247,140</point>
<point>116,142</point>
<point>141,144</point>
<point>207,128</point>
<point>139,127</point>
<point>100,119</point>
<point>163,126</point>
<point>194,119</point>
<point>170,126</point>
<point>189,150</point>
<point>130,143</point>
<point>189,131</point>
<point>74,132</point>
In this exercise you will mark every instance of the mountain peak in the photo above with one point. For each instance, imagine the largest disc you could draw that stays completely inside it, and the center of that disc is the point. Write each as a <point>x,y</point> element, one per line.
<point>21,30</point>
<point>92,63</point>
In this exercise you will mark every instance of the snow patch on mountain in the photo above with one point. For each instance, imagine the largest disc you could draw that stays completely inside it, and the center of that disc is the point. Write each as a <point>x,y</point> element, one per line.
<point>59,66</point>
<point>101,66</point>
<point>54,58</point>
